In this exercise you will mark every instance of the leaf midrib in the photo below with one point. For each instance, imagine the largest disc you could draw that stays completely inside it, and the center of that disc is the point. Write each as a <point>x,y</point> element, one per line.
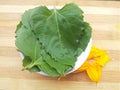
<point>58,30</point>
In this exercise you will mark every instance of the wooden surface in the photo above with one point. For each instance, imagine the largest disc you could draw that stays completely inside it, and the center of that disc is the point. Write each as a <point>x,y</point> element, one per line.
<point>104,17</point>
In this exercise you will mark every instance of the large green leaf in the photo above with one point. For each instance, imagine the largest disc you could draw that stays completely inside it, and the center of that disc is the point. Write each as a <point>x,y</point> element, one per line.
<point>27,43</point>
<point>52,39</point>
<point>31,48</point>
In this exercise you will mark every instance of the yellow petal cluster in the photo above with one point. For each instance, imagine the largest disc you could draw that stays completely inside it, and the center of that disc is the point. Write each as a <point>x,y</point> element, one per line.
<point>94,63</point>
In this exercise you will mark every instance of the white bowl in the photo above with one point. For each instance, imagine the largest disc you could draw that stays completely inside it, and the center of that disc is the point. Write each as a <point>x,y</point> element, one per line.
<point>80,59</point>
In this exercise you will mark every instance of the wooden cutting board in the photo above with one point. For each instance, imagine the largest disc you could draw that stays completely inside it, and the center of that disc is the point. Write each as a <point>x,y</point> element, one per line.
<point>104,17</point>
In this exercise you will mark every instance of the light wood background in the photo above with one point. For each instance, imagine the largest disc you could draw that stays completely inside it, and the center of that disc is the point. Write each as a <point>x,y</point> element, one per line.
<point>104,17</point>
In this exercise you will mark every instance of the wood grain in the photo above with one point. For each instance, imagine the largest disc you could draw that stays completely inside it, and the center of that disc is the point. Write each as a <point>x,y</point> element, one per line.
<point>97,3</point>
<point>103,16</point>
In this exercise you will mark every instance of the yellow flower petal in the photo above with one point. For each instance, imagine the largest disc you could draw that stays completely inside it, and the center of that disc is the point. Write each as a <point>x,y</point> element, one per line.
<point>102,60</point>
<point>94,72</point>
<point>92,65</point>
<point>82,68</point>
<point>92,52</point>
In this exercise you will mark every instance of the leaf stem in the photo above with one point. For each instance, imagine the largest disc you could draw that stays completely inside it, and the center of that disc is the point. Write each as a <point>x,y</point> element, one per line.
<point>54,8</point>
<point>29,66</point>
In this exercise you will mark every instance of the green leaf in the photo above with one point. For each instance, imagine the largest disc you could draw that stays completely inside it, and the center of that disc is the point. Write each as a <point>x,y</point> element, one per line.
<point>18,26</point>
<point>27,43</point>
<point>26,61</point>
<point>59,67</point>
<point>45,67</point>
<point>51,40</point>
<point>34,69</point>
